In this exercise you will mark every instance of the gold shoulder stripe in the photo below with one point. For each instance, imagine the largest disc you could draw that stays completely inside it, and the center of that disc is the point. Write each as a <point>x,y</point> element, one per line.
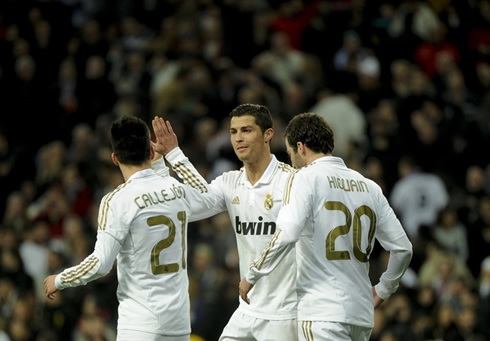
<point>285,167</point>
<point>270,245</point>
<point>103,219</point>
<point>189,177</point>
<point>287,191</point>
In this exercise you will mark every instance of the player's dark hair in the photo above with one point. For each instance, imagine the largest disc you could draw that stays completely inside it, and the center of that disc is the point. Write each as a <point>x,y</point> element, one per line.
<point>262,115</point>
<point>130,140</point>
<point>312,130</point>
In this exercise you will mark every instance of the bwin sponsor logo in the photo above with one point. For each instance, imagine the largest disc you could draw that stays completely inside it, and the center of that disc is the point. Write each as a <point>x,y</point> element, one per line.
<point>254,228</point>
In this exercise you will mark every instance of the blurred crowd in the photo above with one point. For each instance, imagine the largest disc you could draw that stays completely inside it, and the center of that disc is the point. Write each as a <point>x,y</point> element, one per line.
<point>405,85</point>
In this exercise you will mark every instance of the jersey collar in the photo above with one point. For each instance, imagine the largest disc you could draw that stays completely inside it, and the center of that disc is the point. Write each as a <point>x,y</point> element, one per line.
<point>330,159</point>
<point>142,174</point>
<point>266,178</point>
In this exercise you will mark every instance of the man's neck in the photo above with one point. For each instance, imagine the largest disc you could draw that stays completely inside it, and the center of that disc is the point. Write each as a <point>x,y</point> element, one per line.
<point>128,170</point>
<point>255,170</point>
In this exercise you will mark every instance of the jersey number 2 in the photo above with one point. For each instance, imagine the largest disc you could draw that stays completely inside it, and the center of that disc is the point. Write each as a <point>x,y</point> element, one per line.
<point>341,230</point>
<point>156,267</point>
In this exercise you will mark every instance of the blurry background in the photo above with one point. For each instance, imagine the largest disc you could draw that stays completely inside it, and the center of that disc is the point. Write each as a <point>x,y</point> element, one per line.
<point>405,85</point>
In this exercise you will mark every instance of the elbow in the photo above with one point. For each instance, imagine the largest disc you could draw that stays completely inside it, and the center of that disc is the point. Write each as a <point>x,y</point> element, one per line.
<point>104,269</point>
<point>212,201</point>
<point>407,254</point>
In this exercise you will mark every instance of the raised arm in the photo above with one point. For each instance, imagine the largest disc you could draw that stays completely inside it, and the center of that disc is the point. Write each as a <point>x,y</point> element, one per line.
<point>167,144</point>
<point>166,139</point>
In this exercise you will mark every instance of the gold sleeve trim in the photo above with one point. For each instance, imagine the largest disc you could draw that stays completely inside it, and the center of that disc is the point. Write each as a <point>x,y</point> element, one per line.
<point>260,262</point>
<point>189,177</point>
<point>80,271</point>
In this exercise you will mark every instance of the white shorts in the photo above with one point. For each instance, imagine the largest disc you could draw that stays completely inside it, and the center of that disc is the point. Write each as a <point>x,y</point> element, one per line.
<point>246,328</point>
<point>131,335</point>
<point>322,330</point>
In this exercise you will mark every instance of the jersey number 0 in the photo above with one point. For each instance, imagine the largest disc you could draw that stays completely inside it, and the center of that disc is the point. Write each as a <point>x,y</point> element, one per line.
<point>356,225</point>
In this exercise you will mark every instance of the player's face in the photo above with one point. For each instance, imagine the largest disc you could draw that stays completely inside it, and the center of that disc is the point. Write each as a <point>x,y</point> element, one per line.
<point>297,160</point>
<point>246,138</point>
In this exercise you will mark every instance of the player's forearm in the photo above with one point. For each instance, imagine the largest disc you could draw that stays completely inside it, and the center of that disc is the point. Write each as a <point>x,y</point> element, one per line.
<point>98,264</point>
<point>208,203</point>
<point>186,170</point>
<point>397,265</point>
<point>160,167</point>
<point>199,212</point>
<point>277,248</point>
<point>88,270</point>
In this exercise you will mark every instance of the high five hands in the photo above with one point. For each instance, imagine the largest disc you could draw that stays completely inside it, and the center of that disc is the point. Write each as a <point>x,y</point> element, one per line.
<point>166,140</point>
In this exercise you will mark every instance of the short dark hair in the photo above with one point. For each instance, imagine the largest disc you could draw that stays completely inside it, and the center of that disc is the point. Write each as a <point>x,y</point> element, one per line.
<point>130,140</point>
<point>312,130</point>
<point>262,114</point>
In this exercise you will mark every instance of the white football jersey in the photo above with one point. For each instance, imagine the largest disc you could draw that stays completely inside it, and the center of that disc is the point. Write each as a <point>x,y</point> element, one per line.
<point>253,212</point>
<point>336,214</point>
<point>144,224</point>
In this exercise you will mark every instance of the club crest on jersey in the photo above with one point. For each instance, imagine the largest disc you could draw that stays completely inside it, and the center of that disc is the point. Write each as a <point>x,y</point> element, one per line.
<point>268,203</point>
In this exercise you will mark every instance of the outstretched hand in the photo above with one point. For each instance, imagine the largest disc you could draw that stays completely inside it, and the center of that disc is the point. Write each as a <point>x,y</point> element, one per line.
<point>166,140</point>
<point>244,288</point>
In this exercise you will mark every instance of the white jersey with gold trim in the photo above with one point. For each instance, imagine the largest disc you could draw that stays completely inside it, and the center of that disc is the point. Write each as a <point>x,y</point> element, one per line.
<point>144,224</point>
<point>253,211</point>
<point>335,214</point>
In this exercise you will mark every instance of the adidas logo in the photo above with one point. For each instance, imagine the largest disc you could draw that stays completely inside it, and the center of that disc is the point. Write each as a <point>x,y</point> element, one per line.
<point>236,201</point>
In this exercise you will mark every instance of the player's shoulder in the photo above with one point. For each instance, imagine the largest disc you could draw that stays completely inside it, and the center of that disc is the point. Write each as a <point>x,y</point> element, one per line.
<point>121,189</point>
<point>372,185</point>
<point>234,173</point>
<point>284,167</point>
<point>308,170</point>
<point>357,175</point>
<point>230,176</point>
<point>110,197</point>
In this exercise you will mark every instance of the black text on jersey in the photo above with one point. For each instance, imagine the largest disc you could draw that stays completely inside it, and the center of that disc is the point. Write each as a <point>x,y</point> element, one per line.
<point>254,228</point>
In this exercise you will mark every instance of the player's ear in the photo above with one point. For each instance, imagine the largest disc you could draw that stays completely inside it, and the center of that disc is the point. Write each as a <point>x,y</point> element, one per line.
<point>152,153</point>
<point>114,159</point>
<point>301,147</point>
<point>268,134</point>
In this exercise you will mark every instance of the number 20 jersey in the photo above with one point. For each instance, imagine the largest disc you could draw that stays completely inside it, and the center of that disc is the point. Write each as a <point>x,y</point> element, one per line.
<point>335,214</point>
